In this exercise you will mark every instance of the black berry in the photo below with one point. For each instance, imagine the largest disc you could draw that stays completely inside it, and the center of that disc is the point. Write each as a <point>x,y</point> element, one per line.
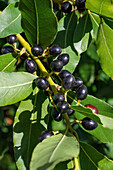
<point>46,134</point>
<point>30,66</point>
<point>42,83</point>
<point>81,92</point>
<point>70,112</point>
<point>57,65</point>
<point>59,97</point>
<point>66,7</point>
<point>64,58</point>
<point>78,82</point>
<point>7,49</point>
<point>11,39</point>
<point>57,116</point>
<point>37,50</point>
<point>89,124</point>
<point>94,109</point>
<point>62,106</point>
<point>55,50</point>
<point>68,82</point>
<point>80,5</point>
<point>64,73</point>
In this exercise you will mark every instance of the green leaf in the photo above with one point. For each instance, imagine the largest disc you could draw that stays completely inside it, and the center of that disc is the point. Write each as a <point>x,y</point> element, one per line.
<point>15,87</point>
<point>95,19</point>
<point>61,166</point>
<point>10,22</point>
<point>38,21</point>
<point>56,126</point>
<point>109,22</point>
<point>65,165</point>
<point>91,159</point>
<point>104,48</point>
<point>105,111</point>
<point>42,104</point>
<point>98,118</point>
<point>81,34</point>
<point>86,112</point>
<point>107,149</point>
<point>92,52</point>
<point>7,62</point>
<point>102,132</point>
<point>101,7</point>
<point>64,39</point>
<point>59,148</point>
<point>103,108</point>
<point>27,128</point>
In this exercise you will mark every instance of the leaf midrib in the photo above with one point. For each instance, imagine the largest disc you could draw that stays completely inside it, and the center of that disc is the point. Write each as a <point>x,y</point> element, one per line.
<point>10,23</point>
<point>17,85</point>
<point>9,64</point>
<point>89,157</point>
<point>67,29</point>
<point>106,42</point>
<point>53,153</point>
<point>101,4</point>
<point>85,25</point>
<point>37,21</point>
<point>30,128</point>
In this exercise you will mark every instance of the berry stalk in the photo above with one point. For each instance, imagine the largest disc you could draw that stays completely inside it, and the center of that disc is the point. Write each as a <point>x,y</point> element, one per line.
<point>40,65</point>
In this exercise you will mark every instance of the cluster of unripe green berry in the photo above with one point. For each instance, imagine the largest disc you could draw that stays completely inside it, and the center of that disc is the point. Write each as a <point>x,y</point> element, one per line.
<point>67,80</point>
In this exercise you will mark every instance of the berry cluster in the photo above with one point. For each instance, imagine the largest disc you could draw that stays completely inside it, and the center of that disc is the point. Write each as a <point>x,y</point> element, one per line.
<point>67,6</point>
<point>65,81</point>
<point>11,39</point>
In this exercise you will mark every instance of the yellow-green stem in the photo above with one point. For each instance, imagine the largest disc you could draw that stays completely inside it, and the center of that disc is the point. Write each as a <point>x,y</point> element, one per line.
<point>77,164</point>
<point>40,65</point>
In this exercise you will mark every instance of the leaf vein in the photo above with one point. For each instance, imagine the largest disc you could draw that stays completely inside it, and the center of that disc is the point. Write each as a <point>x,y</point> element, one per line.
<point>17,85</point>
<point>56,148</point>
<point>106,43</point>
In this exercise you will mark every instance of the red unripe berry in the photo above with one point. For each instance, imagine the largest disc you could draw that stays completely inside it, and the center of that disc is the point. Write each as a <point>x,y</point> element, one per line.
<point>94,109</point>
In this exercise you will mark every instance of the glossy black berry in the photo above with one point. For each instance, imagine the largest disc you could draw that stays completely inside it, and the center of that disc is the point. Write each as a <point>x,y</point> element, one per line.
<point>37,50</point>
<point>80,3</point>
<point>68,82</point>
<point>55,50</point>
<point>7,49</point>
<point>46,134</point>
<point>57,116</point>
<point>30,66</point>
<point>78,82</point>
<point>94,109</point>
<point>81,92</point>
<point>59,97</point>
<point>62,106</point>
<point>64,58</point>
<point>66,7</point>
<point>89,124</point>
<point>64,73</point>
<point>11,39</point>
<point>56,65</point>
<point>70,112</point>
<point>42,83</point>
